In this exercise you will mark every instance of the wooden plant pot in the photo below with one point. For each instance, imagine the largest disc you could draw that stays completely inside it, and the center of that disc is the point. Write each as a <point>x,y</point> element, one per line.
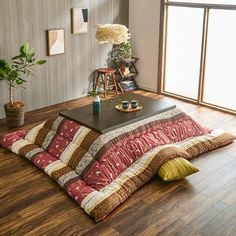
<point>15,115</point>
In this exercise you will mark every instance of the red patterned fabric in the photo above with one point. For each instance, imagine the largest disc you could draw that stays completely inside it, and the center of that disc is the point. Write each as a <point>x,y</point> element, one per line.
<point>43,159</point>
<point>68,129</point>
<point>78,190</point>
<point>93,168</point>
<point>58,146</point>
<point>7,140</point>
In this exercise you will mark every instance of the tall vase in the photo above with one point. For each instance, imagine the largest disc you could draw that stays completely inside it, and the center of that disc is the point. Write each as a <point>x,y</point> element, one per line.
<point>96,105</point>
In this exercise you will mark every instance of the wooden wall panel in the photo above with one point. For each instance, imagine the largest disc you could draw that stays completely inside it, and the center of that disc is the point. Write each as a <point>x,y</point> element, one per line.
<point>65,76</point>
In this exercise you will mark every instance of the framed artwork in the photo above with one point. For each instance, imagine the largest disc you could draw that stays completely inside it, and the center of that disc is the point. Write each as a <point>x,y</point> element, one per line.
<point>79,20</point>
<point>56,42</point>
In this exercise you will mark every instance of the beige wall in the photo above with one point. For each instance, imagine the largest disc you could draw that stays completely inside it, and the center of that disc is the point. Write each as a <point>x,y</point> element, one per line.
<point>64,77</point>
<point>144,19</point>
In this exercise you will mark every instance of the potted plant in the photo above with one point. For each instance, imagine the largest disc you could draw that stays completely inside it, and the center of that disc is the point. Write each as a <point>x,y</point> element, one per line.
<point>118,35</point>
<point>119,53</point>
<point>15,73</point>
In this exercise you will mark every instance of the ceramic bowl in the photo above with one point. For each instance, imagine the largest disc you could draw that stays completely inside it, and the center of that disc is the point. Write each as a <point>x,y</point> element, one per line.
<point>125,104</point>
<point>134,104</point>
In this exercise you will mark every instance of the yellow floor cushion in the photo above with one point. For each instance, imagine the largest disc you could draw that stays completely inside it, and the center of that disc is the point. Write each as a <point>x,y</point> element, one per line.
<point>176,168</point>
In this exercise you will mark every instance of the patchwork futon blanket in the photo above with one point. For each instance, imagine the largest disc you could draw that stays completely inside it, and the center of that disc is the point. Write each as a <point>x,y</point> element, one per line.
<point>100,171</point>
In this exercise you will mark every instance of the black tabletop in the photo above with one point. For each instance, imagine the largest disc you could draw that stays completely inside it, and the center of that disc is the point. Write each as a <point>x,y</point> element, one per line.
<point>110,118</point>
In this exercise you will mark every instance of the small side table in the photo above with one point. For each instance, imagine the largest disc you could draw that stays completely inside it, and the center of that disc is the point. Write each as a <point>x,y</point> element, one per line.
<point>104,76</point>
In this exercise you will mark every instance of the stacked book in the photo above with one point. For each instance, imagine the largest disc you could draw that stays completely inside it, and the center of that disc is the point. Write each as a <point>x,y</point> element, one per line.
<point>128,85</point>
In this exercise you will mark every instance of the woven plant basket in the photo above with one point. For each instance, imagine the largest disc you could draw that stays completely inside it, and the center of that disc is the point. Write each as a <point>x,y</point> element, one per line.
<point>15,116</point>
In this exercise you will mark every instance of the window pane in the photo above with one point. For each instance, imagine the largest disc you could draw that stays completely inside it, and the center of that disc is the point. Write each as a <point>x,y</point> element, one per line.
<point>220,74</point>
<point>225,2</point>
<point>184,39</point>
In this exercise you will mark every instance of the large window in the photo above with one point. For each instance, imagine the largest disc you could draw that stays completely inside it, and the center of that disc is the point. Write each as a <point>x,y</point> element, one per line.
<point>220,70</point>
<point>183,52</point>
<point>227,2</point>
<point>199,51</point>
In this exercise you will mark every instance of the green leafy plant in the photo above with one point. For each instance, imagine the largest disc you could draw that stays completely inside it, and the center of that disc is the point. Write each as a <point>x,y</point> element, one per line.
<point>92,92</point>
<point>17,70</point>
<point>119,53</point>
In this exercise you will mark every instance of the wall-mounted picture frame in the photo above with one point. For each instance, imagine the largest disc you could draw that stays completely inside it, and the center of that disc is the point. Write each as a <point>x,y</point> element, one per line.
<point>55,41</point>
<point>79,18</point>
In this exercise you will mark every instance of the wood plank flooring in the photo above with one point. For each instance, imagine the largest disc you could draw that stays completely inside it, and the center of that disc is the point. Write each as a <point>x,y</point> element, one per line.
<point>202,204</point>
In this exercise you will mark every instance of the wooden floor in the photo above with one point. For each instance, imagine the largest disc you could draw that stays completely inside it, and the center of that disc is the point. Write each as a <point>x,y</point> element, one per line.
<point>202,204</point>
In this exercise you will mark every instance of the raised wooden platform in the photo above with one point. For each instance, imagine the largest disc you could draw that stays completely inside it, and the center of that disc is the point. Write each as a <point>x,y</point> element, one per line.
<point>203,204</point>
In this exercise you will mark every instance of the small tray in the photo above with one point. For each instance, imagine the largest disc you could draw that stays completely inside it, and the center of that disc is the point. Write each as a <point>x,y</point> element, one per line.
<point>129,109</point>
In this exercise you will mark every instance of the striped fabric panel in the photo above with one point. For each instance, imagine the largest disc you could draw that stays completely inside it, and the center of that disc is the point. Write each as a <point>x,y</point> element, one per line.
<point>91,201</point>
<point>66,177</point>
<point>88,146</point>
<point>58,173</point>
<point>202,144</point>
<point>108,137</point>
<point>48,139</point>
<point>157,123</point>
<point>84,154</point>
<point>29,155</point>
<point>18,145</point>
<point>29,148</point>
<point>76,157</point>
<point>91,144</point>
<point>49,122</point>
<point>57,123</point>
<point>70,151</point>
<point>41,136</point>
<point>54,123</point>
<point>80,135</point>
<point>31,136</point>
<point>106,141</point>
<point>101,204</point>
<point>54,166</point>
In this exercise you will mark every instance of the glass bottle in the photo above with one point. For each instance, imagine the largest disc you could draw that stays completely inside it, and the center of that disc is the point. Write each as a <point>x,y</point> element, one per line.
<point>96,105</point>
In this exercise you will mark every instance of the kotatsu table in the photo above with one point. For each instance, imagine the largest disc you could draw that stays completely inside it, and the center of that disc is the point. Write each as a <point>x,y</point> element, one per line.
<point>110,118</point>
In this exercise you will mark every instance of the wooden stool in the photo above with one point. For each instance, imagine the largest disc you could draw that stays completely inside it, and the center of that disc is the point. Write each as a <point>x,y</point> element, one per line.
<point>103,74</point>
